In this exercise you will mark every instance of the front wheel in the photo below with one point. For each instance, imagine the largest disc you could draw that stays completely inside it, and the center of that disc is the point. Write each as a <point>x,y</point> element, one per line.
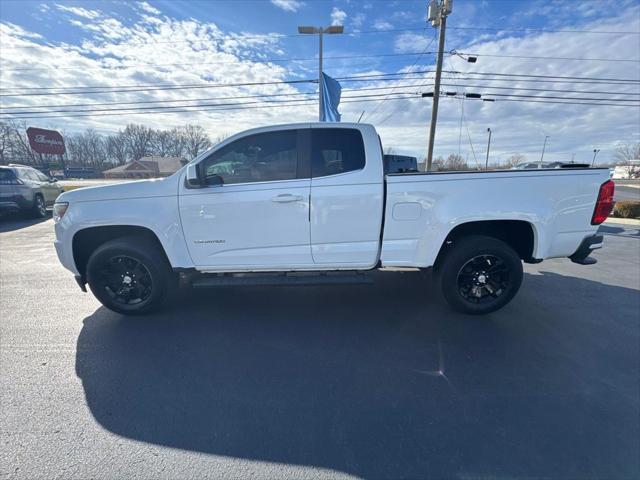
<point>129,275</point>
<point>480,274</point>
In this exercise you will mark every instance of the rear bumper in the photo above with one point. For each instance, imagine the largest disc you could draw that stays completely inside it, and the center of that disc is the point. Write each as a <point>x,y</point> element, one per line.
<point>588,245</point>
<point>15,202</point>
<point>9,206</point>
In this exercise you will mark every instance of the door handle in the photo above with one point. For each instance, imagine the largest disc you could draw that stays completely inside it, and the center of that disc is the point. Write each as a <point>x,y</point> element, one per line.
<point>286,198</point>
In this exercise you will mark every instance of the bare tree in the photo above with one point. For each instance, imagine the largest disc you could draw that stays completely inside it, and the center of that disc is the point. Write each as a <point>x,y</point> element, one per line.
<point>515,159</point>
<point>196,140</point>
<point>116,149</point>
<point>455,162</point>
<point>628,156</point>
<point>138,141</point>
<point>438,164</point>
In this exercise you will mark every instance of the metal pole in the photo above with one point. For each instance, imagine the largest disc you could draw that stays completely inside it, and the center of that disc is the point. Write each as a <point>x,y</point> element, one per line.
<point>486,163</point>
<point>436,92</point>
<point>544,146</point>
<point>320,103</point>
<point>595,152</point>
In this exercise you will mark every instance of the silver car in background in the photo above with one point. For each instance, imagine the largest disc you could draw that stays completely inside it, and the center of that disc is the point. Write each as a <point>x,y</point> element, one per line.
<point>24,188</point>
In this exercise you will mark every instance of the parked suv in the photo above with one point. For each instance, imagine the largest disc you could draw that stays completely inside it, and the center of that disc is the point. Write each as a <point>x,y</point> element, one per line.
<point>24,188</point>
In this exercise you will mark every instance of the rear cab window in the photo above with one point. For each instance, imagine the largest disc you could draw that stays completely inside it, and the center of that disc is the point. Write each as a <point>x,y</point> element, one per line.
<point>336,150</point>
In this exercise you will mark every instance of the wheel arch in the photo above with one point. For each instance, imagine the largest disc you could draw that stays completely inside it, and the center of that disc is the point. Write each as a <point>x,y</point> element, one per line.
<point>87,240</point>
<point>518,234</point>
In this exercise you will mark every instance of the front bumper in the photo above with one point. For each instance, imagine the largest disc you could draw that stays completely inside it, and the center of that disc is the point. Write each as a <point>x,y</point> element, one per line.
<point>588,245</point>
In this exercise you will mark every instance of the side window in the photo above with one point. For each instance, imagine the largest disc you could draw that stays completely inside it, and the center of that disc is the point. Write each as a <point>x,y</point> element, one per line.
<point>262,157</point>
<point>25,174</point>
<point>336,150</point>
<point>40,176</point>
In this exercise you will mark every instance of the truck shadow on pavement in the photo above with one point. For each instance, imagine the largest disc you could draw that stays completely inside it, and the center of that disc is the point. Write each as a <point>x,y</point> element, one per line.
<point>379,381</point>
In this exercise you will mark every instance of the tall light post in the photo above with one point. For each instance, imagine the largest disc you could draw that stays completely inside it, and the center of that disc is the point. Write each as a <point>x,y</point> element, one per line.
<point>333,29</point>
<point>438,12</point>
<point>595,152</point>
<point>486,162</point>
<point>544,145</point>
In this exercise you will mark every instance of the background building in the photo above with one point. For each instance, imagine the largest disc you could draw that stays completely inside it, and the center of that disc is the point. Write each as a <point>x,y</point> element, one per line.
<point>146,167</point>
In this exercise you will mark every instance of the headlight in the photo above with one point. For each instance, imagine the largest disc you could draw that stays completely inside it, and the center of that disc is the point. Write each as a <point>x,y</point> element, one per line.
<point>59,209</point>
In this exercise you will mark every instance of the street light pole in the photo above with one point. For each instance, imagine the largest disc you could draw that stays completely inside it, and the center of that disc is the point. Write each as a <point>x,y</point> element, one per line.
<point>320,82</point>
<point>320,31</point>
<point>546,137</point>
<point>595,152</point>
<point>486,163</point>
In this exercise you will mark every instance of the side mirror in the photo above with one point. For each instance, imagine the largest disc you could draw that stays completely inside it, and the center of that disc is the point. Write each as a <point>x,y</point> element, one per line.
<point>215,180</point>
<point>193,178</point>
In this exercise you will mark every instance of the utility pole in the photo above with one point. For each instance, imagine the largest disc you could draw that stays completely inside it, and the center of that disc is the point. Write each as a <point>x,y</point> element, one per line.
<point>595,152</point>
<point>486,162</point>
<point>546,137</point>
<point>320,31</point>
<point>438,12</point>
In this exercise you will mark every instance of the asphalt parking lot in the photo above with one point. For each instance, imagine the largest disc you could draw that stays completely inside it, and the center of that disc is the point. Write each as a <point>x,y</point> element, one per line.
<point>374,381</point>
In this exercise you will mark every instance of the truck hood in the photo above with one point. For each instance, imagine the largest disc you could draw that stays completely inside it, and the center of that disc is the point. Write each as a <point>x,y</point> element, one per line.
<point>161,187</point>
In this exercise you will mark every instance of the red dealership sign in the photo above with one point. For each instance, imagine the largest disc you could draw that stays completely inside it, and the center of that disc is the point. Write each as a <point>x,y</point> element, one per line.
<point>45,141</point>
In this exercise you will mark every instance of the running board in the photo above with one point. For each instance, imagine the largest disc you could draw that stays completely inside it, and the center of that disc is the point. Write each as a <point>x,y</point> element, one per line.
<point>289,279</point>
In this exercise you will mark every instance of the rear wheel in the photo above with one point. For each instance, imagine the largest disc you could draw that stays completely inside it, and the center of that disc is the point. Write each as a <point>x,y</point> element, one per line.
<point>480,274</point>
<point>130,275</point>
<point>39,209</point>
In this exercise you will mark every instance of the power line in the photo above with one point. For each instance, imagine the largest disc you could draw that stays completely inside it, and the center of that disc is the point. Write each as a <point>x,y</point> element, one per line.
<point>278,36</point>
<point>545,30</point>
<point>367,77</point>
<point>293,103</point>
<point>558,102</point>
<point>269,60</point>
<point>546,58</point>
<point>154,87</point>
<point>545,76</point>
<point>198,110</point>
<point>163,107</point>
<point>265,95</point>
<point>230,36</point>
<point>592,92</point>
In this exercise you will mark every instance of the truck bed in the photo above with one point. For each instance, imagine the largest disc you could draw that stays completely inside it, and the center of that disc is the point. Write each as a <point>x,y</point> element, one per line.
<point>422,208</point>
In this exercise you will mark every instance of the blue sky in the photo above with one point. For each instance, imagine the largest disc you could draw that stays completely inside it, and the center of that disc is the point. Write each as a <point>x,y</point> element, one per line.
<point>115,43</point>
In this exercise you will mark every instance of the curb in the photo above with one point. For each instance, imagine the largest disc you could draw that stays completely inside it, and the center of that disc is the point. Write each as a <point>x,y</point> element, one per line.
<point>623,221</point>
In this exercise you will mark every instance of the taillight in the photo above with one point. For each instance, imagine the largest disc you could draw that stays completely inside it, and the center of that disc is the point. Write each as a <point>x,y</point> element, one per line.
<point>604,204</point>
<point>11,181</point>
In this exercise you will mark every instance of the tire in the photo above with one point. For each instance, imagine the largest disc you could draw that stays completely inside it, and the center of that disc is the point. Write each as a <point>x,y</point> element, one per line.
<point>146,278</point>
<point>479,274</point>
<point>39,209</point>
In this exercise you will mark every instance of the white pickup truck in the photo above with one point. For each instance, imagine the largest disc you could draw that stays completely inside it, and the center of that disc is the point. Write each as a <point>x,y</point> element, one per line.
<point>311,204</point>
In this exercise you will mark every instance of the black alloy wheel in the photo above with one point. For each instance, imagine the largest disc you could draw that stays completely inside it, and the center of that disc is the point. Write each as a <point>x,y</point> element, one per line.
<point>126,280</point>
<point>479,274</point>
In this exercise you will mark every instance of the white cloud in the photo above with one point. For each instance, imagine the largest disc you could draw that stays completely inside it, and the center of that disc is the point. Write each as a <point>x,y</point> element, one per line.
<point>338,16</point>
<point>358,20</point>
<point>411,42</point>
<point>149,8</point>
<point>163,52</point>
<point>79,11</point>
<point>288,5</point>
<point>382,25</point>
